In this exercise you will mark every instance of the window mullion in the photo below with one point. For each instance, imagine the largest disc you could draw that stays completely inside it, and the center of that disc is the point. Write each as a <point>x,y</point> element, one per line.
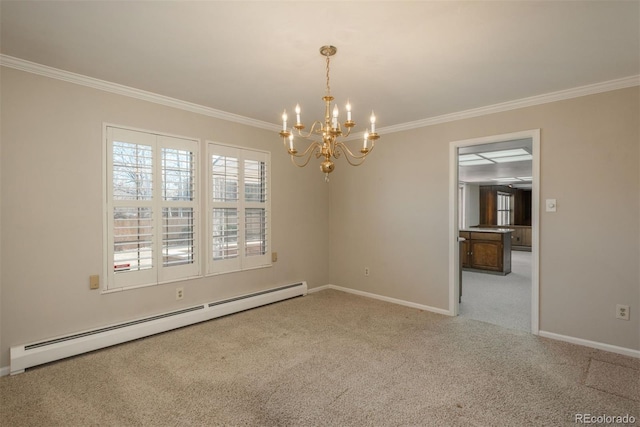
<point>241,210</point>
<point>157,209</point>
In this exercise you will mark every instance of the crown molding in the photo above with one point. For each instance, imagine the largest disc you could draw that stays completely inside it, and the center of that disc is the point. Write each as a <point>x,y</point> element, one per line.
<point>67,76</point>
<point>576,92</point>
<point>43,70</point>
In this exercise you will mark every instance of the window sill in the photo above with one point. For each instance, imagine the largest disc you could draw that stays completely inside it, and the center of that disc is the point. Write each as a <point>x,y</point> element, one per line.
<point>218,273</point>
<point>148,285</point>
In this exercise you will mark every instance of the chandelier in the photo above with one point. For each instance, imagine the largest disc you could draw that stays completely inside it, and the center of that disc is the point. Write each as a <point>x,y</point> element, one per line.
<point>329,130</point>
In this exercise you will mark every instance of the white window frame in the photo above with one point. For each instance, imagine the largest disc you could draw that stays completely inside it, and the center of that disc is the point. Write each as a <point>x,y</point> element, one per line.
<point>158,273</point>
<point>504,204</point>
<point>242,261</point>
<point>462,206</point>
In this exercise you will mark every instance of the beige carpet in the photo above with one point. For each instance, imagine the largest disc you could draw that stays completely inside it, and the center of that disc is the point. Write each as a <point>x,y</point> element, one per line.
<point>327,359</point>
<point>501,300</point>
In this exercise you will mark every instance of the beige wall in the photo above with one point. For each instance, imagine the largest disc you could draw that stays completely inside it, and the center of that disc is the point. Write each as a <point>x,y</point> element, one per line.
<point>51,175</point>
<point>392,214</point>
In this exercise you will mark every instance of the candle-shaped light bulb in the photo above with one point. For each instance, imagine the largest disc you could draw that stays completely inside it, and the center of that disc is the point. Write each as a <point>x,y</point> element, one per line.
<point>348,111</point>
<point>291,142</point>
<point>284,120</point>
<point>297,114</point>
<point>364,143</point>
<point>373,123</point>
<point>335,116</point>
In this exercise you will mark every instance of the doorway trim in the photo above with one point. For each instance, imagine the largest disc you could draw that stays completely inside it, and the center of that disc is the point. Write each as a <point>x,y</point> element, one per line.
<point>454,252</point>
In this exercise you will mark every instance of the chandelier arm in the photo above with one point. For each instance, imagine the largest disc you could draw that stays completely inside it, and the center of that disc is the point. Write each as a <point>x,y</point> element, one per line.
<point>313,130</point>
<point>352,159</point>
<point>306,155</point>
<point>300,165</point>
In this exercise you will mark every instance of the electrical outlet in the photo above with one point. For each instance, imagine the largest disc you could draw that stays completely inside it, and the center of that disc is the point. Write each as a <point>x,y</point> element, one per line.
<point>622,312</point>
<point>94,281</point>
<point>274,256</point>
<point>366,271</point>
<point>179,293</point>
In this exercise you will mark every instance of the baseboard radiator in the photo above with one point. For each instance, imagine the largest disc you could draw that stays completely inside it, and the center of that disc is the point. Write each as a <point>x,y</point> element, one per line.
<point>26,356</point>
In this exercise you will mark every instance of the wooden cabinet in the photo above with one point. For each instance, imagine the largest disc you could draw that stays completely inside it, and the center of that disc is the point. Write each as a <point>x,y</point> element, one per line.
<point>465,249</point>
<point>486,255</point>
<point>486,251</point>
<point>520,236</point>
<point>526,237</point>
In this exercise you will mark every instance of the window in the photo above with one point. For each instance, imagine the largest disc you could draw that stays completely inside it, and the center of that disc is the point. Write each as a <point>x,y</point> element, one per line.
<point>152,221</point>
<point>505,208</point>
<point>238,209</point>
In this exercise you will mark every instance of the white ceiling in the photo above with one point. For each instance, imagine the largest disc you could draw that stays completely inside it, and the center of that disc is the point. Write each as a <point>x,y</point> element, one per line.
<point>490,174</point>
<point>408,61</point>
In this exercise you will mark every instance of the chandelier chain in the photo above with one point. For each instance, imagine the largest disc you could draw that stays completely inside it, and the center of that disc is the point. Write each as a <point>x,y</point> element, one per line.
<point>328,87</point>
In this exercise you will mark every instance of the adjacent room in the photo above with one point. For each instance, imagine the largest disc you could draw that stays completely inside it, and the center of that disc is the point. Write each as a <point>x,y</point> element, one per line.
<point>495,189</point>
<point>319,213</point>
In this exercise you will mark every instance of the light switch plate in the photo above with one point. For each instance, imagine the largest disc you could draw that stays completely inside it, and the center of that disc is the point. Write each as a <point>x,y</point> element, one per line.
<point>551,205</point>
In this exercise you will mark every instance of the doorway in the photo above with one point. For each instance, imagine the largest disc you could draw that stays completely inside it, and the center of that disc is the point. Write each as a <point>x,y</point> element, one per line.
<point>496,154</point>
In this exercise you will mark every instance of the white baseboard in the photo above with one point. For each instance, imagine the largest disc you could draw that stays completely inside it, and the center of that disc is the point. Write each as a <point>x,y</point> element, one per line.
<point>579,341</point>
<point>320,288</point>
<point>56,348</point>
<point>382,298</point>
<point>4,371</point>
<point>593,344</point>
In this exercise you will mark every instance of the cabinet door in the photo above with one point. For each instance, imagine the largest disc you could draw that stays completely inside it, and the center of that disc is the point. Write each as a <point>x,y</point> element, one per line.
<point>526,240</point>
<point>516,237</point>
<point>486,255</point>
<point>465,253</point>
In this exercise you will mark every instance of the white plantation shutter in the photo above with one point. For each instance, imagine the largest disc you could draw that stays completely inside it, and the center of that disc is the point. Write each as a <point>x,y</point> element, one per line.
<point>225,233</point>
<point>224,209</point>
<point>238,208</point>
<point>132,238</point>
<point>132,167</point>
<point>152,214</point>
<point>255,239</point>
<point>180,215</point>
<point>256,236</point>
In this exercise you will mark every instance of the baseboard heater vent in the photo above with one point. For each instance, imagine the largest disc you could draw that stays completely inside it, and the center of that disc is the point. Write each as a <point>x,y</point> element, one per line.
<point>26,356</point>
